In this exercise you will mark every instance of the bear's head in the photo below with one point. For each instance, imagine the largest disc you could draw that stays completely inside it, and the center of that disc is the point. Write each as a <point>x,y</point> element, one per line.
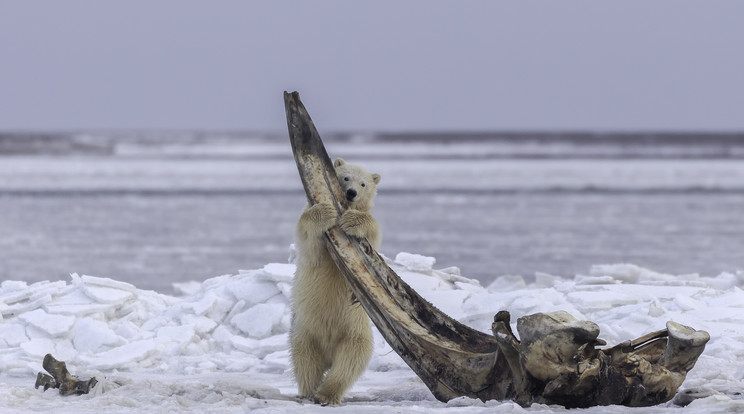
<point>360,187</point>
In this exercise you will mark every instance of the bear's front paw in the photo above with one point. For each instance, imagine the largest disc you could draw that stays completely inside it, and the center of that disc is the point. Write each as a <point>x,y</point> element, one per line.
<point>321,216</point>
<point>355,223</point>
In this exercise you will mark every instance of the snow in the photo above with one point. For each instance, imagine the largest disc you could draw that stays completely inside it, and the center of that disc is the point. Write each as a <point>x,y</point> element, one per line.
<point>222,345</point>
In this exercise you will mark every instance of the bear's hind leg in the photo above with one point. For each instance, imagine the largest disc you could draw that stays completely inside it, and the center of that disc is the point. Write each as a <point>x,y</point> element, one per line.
<point>308,364</point>
<point>350,361</point>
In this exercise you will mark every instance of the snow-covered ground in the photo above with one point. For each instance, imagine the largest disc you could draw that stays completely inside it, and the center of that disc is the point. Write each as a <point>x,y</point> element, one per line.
<point>221,345</point>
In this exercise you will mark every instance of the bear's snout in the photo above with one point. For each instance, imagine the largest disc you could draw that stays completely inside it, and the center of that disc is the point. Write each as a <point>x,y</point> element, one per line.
<point>350,194</point>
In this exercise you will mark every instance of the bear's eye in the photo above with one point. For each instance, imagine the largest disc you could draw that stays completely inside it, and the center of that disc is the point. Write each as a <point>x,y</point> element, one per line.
<point>346,178</point>
<point>362,184</point>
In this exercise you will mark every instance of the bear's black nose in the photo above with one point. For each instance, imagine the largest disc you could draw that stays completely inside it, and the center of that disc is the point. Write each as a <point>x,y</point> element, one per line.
<point>350,194</point>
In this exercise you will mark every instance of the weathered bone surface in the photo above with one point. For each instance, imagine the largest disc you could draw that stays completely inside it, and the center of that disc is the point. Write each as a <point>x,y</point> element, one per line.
<point>61,378</point>
<point>557,359</point>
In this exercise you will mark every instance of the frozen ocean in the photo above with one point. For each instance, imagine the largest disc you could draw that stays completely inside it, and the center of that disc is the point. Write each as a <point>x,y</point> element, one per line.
<point>158,262</point>
<point>157,208</point>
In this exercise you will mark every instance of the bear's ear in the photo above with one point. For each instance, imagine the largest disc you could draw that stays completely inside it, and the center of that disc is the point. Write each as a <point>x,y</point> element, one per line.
<point>339,162</point>
<point>376,178</point>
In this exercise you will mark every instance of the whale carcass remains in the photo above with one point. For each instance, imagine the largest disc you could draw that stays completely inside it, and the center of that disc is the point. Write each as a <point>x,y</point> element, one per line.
<point>555,360</point>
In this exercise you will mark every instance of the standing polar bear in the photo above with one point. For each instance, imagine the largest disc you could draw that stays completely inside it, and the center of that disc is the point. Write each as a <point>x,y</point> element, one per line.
<point>331,338</point>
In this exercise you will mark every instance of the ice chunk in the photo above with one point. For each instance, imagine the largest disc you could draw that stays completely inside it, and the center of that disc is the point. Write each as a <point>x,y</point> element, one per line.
<point>451,275</point>
<point>247,345</point>
<point>292,259</point>
<point>205,304</point>
<point>243,364</point>
<point>465,402</point>
<point>24,306</point>
<point>109,283</point>
<point>78,309</point>
<point>127,329</point>
<point>507,283</point>
<point>415,262</point>
<point>53,325</point>
<point>181,335</point>
<point>656,309</point>
<point>276,361</point>
<point>599,299</point>
<point>216,282</point>
<point>103,294</point>
<point>281,272</point>
<point>11,286</point>
<point>222,335</point>
<point>122,357</point>
<point>38,347</point>
<point>452,270</point>
<point>89,335</point>
<point>272,344</point>
<point>17,298</point>
<point>13,334</point>
<point>253,292</point>
<point>630,273</point>
<point>285,289</point>
<point>687,303</point>
<point>200,324</point>
<point>528,303</point>
<point>186,288</point>
<point>470,287</point>
<point>421,282</point>
<point>18,292</point>
<point>547,280</point>
<point>723,281</point>
<point>76,302</point>
<point>715,403</point>
<point>595,280</point>
<point>258,321</point>
<point>65,350</point>
<point>239,306</point>
<point>449,302</point>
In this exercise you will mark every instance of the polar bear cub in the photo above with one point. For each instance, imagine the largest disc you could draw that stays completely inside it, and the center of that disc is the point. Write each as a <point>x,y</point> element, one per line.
<point>331,338</point>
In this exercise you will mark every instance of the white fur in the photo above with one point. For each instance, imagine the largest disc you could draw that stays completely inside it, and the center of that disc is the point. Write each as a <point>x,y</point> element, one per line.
<point>331,337</point>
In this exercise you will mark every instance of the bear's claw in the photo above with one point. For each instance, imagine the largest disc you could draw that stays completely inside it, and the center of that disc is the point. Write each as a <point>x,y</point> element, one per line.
<point>322,216</point>
<point>353,223</point>
<point>326,401</point>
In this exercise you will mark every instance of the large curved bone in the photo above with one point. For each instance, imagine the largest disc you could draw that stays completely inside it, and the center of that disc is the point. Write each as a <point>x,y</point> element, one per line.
<point>452,359</point>
<point>557,360</point>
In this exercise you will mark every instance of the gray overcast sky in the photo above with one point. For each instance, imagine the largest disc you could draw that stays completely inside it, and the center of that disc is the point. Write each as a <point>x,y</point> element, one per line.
<point>376,65</point>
